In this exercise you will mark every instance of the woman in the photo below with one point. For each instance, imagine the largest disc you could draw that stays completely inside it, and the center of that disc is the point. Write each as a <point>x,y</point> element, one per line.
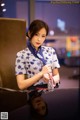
<point>35,62</point>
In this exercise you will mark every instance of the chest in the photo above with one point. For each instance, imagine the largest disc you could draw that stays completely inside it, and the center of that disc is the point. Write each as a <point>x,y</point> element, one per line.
<point>34,62</point>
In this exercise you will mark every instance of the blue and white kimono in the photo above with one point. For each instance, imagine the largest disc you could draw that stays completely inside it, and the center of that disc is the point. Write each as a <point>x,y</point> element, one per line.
<point>29,64</point>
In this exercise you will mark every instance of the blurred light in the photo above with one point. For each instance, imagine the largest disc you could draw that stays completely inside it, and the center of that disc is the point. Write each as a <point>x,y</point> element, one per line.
<point>2,4</point>
<point>4,10</point>
<point>51,32</point>
<point>73,39</point>
<point>68,54</point>
<point>61,24</point>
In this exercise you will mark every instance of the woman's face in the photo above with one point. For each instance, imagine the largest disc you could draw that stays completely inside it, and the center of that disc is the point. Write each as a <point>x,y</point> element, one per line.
<point>38,39</point>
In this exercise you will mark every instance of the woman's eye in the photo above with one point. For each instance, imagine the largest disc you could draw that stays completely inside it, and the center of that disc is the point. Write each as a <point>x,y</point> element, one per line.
<point>36,34</point>
<point>43,36</point>
<point>39,35</point>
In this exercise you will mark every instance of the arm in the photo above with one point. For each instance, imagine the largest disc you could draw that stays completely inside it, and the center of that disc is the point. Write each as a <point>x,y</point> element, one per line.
<point>25,83</point>
<point>56,75</point>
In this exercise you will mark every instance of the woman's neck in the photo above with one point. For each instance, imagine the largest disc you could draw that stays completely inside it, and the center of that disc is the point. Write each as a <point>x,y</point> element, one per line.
<point>34,47</point>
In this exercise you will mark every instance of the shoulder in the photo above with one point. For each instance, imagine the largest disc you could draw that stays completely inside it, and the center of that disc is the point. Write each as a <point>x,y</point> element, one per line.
<point>48,48</point>
<point>22,52</point>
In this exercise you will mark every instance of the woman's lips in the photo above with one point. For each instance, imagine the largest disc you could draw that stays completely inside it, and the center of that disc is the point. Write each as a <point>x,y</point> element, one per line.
<point>37,43</point>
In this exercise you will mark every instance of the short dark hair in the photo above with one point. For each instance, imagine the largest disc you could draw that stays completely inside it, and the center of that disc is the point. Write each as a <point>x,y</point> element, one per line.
<point>35,26</point>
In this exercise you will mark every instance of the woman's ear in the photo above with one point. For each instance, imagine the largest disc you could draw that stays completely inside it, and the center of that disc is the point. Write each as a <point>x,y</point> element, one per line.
<point>29,35</point>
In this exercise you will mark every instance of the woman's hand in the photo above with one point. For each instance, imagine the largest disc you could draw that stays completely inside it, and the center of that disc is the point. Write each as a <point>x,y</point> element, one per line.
<point>46,71</point>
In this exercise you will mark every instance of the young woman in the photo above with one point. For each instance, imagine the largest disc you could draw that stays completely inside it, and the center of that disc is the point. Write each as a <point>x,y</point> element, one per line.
<point>36,65</point>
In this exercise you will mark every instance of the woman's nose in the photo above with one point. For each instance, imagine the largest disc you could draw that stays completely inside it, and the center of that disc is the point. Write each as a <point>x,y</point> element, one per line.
<point>39,38</point>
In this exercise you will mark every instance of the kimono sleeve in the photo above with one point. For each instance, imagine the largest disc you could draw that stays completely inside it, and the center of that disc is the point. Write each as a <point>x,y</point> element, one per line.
<point>20,64</point>
<point>55,61</point>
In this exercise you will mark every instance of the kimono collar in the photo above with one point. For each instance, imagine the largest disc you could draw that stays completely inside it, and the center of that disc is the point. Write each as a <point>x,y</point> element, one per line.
<point>38,54</point>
